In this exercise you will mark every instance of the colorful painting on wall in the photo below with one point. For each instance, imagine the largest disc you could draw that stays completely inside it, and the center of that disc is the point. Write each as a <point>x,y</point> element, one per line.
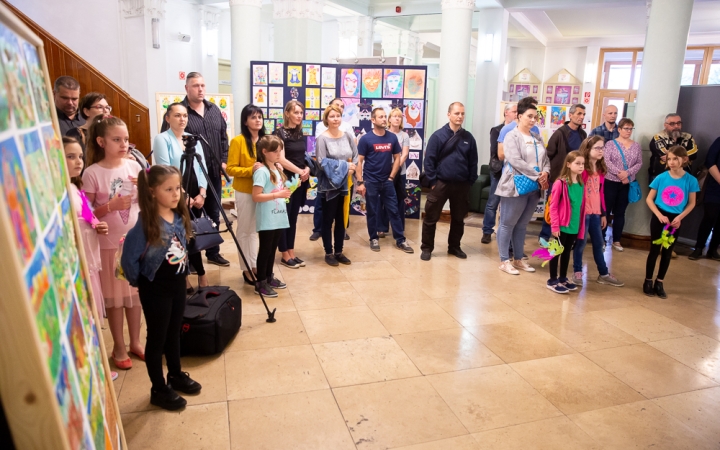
<point>37,81</point>
<point>541,115</point>
<point>562,95</point>
<point>276,97</point>
<point>328,77</point>
<point>260,96</point>
<point>295,74</point>
<point>522,91</point>
<point>259,73</point>
<point>276,73</point>
<point>43,198</point>
<point>312,75</point>
<point>393,83</point>
<point>312,98</point>
<point>16,75</point>
<point>413,114</point>
<point>414,83</point>
<point>557,116</point>
<point>371,83</point>
<point>350,83</point>
<point>17,199</point>
<point>351,110</point>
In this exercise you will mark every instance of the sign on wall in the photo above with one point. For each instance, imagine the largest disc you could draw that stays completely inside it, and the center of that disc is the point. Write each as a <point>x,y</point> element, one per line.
<point>362,88</point>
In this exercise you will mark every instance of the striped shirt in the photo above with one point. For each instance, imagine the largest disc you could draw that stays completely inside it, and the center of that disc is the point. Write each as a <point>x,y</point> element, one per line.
<point>604,133</point>
<point>213,128</point>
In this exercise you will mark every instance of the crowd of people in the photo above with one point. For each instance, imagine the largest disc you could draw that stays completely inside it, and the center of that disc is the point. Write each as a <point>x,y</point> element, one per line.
<point>590,180</point>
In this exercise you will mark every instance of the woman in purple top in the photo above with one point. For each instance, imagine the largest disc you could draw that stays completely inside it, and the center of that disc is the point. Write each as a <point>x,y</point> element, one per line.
<point>619,176</point>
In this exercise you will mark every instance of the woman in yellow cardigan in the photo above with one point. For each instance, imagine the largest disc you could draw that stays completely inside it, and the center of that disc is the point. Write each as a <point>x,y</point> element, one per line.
<point>241,158</point>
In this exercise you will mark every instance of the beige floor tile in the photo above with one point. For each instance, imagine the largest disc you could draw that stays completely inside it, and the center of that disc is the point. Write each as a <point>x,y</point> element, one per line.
<point>519,341</point>
<point>583,332</point>
<point>466,442</point>
<point>364,361</point>
<point>530,301</point>
<point>339,324</point>
<point>253,305</point>
<point>698,317</point>
<point>373,270</point>
<point>479,309</point>
<point>574,384</point>
<point>597,297</point>
<point>404,290</point>
<point>396,413</point>
<point>273,371</point>
<point>699,352</point>
<point>415,268</point>
<point>639,425</point>
<point>199,427</point>
<point>491,397</point>
<point>446,350</point>
<point>548,434</point>
<point>256,333</point>
<point>302,421</point>
<point>325,295</point>
<point>135,394</point>
<point>649,371</point>
<point>699,410</point>
<point>410,317</point>
<point>447,283</point>
<point>643,323</point>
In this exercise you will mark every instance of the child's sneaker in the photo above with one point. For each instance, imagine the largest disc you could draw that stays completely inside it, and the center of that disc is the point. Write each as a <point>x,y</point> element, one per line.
<point>275,283</point>
<point>568,284</point>
<point>262,287</point>
<point>577,278</point>
<point>556,287</point>
<point>183,383</point>
<point>610,279</point>
<point>507,267</point>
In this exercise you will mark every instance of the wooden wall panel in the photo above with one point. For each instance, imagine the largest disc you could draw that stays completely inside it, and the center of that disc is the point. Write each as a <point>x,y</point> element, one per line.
<point>63,61</point>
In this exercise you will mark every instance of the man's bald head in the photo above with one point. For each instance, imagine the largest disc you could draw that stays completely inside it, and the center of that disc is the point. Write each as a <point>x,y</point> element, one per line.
<point>610,114</point>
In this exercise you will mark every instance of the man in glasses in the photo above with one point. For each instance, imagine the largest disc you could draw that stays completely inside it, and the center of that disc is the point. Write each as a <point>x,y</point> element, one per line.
<point>671,135</point>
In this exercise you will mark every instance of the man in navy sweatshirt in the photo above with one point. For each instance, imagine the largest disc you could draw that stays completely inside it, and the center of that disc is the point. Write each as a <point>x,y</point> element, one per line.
<point>451,170</point>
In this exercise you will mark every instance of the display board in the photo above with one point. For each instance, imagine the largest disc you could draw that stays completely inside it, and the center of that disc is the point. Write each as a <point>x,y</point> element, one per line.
<point>524,84</point>
<point>561,89</point>
<point>222,101</point>
<point>362,88</point>
<point>54,379</point>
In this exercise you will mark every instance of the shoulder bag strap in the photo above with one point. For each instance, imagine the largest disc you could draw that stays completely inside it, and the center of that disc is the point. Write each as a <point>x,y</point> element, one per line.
<point>449,146</point>
<point>622,154</point>
<point>537,156</point>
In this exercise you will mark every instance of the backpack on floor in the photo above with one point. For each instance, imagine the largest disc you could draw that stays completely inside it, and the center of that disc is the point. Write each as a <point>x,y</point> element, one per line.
<point>212,318</point>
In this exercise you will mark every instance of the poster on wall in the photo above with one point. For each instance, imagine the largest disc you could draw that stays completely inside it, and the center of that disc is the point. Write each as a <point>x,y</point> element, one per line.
<point>361,88</point>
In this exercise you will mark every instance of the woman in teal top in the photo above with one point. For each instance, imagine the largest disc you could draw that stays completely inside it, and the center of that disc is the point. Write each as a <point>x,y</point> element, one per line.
<point>168,148</point>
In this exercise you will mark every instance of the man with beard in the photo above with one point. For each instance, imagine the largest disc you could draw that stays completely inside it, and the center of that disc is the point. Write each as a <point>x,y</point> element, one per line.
<point>671,135</point>
<point>66,93</point>
<point>608,129</point>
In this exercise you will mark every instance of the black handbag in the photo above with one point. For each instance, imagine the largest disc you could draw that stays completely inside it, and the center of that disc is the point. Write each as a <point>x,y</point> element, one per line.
<point>446,149</point>
<point>206,233</point>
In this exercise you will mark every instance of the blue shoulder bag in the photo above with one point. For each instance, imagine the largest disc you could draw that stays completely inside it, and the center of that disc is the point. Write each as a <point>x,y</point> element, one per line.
<point>635,193</point>
<point>523,184</point>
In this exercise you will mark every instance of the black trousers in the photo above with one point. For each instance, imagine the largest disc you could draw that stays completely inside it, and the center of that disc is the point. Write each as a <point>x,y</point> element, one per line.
<point>297,201</point>
<point>266,252</point>
<point>459,195</point>
<point>213,208</point>
<point>333,211</point>
<point>196,258</point>
<point>656,229</point>
<point>568,241</point>
<point>710,224</point>
<point>616,203</point>
<point>163,303</point>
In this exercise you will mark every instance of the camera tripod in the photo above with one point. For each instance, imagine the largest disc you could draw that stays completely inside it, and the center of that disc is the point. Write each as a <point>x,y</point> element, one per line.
<point>187,162</point>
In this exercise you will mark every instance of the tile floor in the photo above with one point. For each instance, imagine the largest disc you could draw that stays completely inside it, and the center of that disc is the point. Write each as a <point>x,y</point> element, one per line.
<point>395,353</point>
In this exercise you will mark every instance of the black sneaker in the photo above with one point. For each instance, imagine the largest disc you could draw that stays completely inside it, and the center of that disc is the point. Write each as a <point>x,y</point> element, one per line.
<point>167,398</point>
<point>275,283</point>
<point>299,262</point>
<point>486,238</point>
<point>262,287</point>
<point>714,255</point>
<point>218,261</point>
<point>696,254</point>
<point>425,255</point>
<point>374,245</point>
<point>342,259</point>
<point>331,261</point>
<point>404,247</point>
<point>183,383</point>
<point>290,263</point>
<point>315,236</point>
<point>457,252</point>
<point>648,288</point>
<point>347,237</point>
<point>659,289</point>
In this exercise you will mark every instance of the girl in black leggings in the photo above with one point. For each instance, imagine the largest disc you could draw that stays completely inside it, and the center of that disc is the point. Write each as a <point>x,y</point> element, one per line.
<point>671,198</point>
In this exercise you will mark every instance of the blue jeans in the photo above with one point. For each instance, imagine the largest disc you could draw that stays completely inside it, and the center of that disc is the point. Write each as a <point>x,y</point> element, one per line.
<point>381,195</point>
<point>592,228</point>
<point>546,231</point>
<point>515,214</point>
<point>400,194</point>
<point>491,207</point>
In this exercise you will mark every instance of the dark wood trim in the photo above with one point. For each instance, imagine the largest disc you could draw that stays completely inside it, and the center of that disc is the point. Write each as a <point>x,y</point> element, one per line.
<point>635,241</point>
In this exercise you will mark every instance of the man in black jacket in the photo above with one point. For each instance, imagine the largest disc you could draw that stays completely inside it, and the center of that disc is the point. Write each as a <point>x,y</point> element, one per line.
<point>496,165</point>
<point>450,171</point>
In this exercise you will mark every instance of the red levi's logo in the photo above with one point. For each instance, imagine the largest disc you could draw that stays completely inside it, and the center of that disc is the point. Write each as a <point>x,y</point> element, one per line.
<point>382,148</point>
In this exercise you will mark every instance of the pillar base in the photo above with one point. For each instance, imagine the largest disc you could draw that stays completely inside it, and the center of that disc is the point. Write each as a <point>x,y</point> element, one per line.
<point>635,241</point>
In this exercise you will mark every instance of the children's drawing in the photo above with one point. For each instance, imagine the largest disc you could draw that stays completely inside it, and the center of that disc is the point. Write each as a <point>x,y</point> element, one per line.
<point>260,96</point>
<point>312,114</point>
<point>541,115</point>
<point>260,74</point>
<point>269,125</point>
<point>276,97</point>
<point>310,145</point>
<point>413,172</point>
<point>364,111</point>
<point>68,399</point>
<point>312,75</point>
<point>17,199</point>
<point>557,116</point>
<point>295,74</point>
<point>328,77</point>
<point>562,95</point>
<point>327,96</point>
<point>38,175</point>
<point>393,83</point>
<point>16,75</point>
<point>312,98</point>
<point>522,91</point>
<point>37,80</point>
<point>414,83</point>
<point>276,73</point>
<point>372,83</point>
<point>276,113</point>
<point>350,113</point>
<point>56,157</point>
<point>350,83</point>
<point>415,139</point>
<point>414,113</point>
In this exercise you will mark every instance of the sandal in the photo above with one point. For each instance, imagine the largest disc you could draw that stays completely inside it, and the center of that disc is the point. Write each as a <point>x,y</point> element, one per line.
<point>125,364</point>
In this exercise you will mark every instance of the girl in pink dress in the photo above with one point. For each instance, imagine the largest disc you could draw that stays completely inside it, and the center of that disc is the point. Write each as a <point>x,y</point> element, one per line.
<point>109,183</point>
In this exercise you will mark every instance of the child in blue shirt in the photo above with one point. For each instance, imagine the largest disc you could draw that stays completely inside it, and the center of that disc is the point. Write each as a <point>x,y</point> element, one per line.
<point>671,198</point>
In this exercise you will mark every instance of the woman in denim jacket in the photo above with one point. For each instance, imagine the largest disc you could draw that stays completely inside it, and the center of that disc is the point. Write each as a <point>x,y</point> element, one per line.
<point>154,258</point>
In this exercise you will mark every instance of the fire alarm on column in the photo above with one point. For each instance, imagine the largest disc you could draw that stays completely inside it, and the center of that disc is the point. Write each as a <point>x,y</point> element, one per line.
<point>398,9</point>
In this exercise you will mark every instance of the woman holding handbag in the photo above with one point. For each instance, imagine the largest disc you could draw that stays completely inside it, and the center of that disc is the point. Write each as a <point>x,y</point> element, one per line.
<point>623,157</point>
<point>168,148</point>
<point>525,172</point>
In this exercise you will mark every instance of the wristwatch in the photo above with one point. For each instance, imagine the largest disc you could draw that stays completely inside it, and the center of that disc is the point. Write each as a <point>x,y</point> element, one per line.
<point>360,182</point>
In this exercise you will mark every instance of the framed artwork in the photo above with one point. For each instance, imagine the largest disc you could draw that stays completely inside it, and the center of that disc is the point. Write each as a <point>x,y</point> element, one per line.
<point>562,94</point>
<point>535,89</point>
<point>295,74</point>
<point>576,90</point>
<point>326,96</point>
<point>548,99</point>
<point>512,88</point>
<point>312,98</point>
<point>276,98</point>
<point>350,83</point>
<point>371,83</point>
<point>328,77</point>
<point>312,75</point>
<point>575,100</point>
<point>413,114</point>
<point>276,73</point>
<point>414,83</point>
<point>393,83</point>
<point>549,90</point>
<point>259,73</point>
<point>260,96</point>
<point>522,91</point>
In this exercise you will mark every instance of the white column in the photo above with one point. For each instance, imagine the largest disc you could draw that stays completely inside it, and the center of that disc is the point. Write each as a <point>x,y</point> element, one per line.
<point>664,53</point>
<point>245,47</point>
<point>365,37</point>
<point>454,51</point>
<point>298,30</point>
<point>390,42</point>
<point>489,76</point>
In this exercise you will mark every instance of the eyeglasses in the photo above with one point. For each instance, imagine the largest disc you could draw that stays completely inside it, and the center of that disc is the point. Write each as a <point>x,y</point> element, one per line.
<point>627,129</point>
<point>674,124</point>
<point>102,108</point>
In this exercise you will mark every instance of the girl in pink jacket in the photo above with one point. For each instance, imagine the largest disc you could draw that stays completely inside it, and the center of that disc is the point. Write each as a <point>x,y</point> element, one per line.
<point>567,221</point>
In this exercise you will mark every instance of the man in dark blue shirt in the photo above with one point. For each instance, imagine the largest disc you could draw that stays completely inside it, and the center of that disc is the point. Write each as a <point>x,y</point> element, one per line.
<point>378,164</point>
<point>450,171</point>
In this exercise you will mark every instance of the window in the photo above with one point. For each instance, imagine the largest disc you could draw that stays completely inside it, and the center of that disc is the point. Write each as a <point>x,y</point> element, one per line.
<point>714,72</point>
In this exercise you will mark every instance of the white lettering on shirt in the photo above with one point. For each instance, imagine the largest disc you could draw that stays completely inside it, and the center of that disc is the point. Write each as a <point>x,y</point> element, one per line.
<point>382,148</point>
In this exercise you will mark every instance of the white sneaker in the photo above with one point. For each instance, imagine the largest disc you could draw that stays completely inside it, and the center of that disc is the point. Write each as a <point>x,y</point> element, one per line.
<point>507,266</point>
<point>521,264</point>
<point>618,247</point>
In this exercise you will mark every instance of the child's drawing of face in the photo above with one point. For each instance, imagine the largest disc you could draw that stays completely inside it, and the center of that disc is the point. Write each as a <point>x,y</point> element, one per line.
<point>350,83</point>
<point>393,82</point>
<point>371,80</point>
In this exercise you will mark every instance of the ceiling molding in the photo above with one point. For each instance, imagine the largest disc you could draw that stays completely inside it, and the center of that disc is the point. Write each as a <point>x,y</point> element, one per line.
<point>526,24</point>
